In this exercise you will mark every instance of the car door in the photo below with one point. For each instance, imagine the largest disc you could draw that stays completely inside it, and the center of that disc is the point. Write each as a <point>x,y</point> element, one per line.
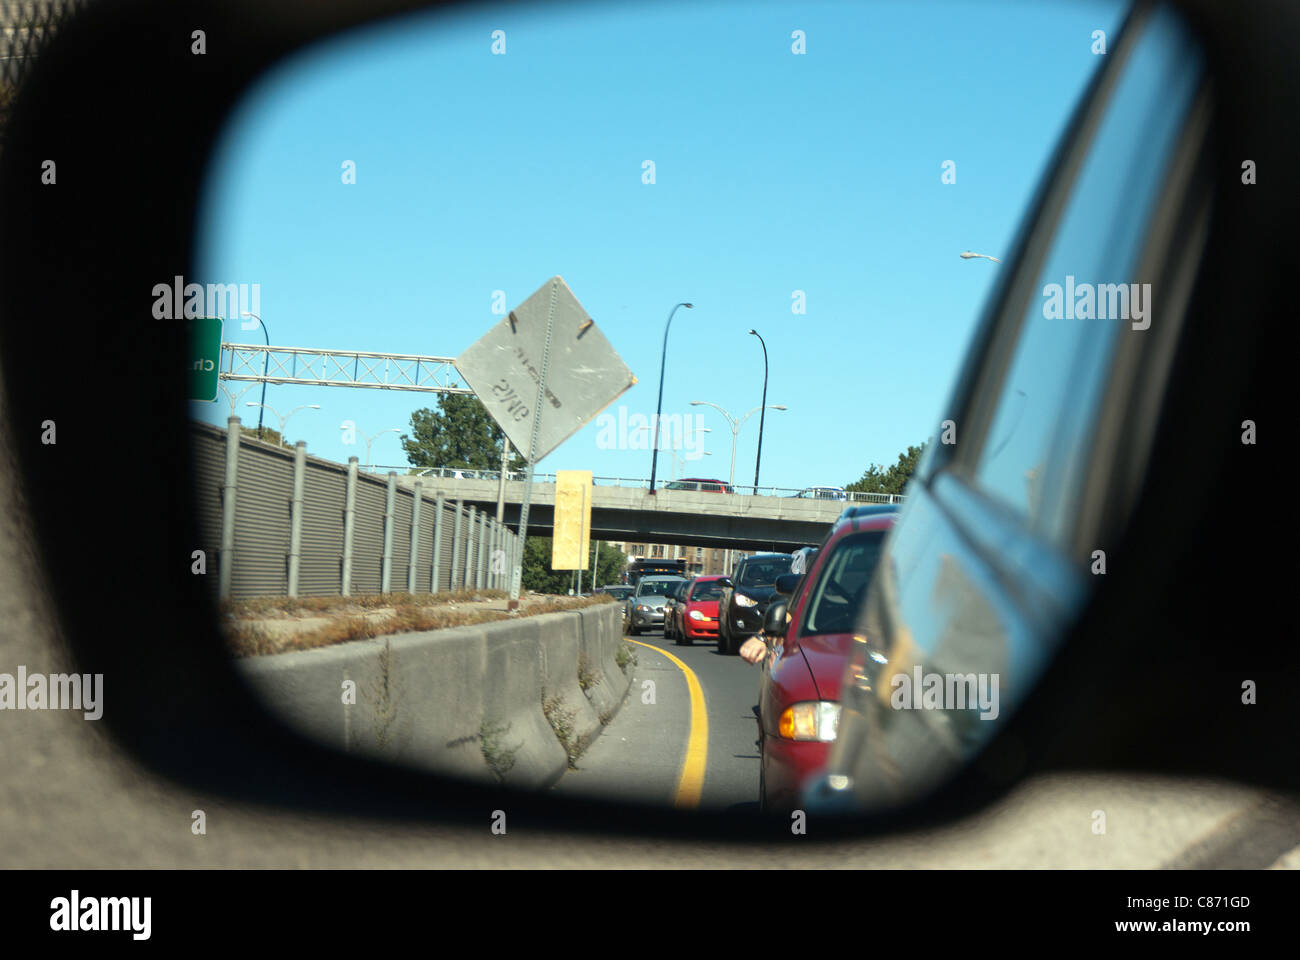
<point>1039,460</point>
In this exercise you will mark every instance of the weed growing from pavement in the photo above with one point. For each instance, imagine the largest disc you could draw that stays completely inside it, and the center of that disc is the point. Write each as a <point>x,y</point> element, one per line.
<point>586,676</point>
<point>384,700</point>
<point>561,720</point>
<point>500,758</point>
<point>626,655</point>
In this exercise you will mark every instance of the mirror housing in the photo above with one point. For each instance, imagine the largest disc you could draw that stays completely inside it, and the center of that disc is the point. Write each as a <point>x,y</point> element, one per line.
<point>726,582</point>
<point>775,620</point>
<point>788,583</point>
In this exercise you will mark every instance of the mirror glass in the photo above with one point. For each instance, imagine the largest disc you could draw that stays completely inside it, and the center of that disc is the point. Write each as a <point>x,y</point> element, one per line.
<point>774,619</point>
<point>733,249</point>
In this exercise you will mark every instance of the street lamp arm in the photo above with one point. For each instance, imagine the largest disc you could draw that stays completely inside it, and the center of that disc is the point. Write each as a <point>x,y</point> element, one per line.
<point>707,403</point>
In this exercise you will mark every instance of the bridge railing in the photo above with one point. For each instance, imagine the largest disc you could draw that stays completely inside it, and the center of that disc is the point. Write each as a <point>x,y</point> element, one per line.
<point>805,493</point>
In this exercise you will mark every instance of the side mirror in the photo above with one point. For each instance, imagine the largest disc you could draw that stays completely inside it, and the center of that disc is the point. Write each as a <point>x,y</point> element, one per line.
<point>726,582</point>
<point>774,621</point>
<point>788,583</point>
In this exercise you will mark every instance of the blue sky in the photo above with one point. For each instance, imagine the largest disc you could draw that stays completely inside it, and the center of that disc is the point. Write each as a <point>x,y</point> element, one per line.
<point>774,173</point>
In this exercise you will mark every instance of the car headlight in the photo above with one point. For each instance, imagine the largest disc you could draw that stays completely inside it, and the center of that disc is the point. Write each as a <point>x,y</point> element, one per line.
<point>818,720</point>
<point>695,615</point>
<point>744,601</point>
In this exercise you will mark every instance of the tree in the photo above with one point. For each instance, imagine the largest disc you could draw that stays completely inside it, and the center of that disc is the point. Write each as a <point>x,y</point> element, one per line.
<point>460,433</point>
<point>892,479</point>
<point>610,565</point>
<point>538,576</point>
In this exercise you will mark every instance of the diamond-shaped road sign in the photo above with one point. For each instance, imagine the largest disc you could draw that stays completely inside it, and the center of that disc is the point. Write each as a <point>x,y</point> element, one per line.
<point>584,374</point>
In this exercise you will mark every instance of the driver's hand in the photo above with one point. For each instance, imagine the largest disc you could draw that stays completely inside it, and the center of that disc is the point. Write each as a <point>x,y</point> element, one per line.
<point>753,650</point>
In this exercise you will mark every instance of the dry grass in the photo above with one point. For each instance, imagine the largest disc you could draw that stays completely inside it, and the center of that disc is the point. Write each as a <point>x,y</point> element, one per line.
<point>268,607</point>
<point>430,612</point>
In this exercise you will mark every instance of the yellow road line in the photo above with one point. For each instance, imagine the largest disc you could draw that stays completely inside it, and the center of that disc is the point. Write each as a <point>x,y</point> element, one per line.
<point>691,782</point>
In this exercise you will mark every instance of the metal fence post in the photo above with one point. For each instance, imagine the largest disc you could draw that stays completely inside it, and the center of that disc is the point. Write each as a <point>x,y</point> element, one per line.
<point>390,502</point>
<point>480,567</point>
<point>494,562</point>
<point>469,548</point>
<point>349,525</point>
<point>415,538</point>
<point>295,514</point>
<point>226,565</point>
<point>435,572</point>
<point>455,546</point>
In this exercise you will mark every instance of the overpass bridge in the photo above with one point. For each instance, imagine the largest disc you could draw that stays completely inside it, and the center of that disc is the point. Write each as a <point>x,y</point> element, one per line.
<point>696,518</point>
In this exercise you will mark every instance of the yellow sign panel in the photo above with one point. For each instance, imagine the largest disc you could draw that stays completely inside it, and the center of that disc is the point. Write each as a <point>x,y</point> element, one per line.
<point>571,542</point>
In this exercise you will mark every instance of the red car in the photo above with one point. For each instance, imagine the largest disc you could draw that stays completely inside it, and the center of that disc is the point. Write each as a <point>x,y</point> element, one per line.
<point>695,617</point>
<point>799,692</point>
<point>705,484</point>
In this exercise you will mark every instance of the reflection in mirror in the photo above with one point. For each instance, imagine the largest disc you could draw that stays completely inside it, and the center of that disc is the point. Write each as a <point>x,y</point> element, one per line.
<point>788,583</point>
<point>450,464</point>
<point>775,619</point>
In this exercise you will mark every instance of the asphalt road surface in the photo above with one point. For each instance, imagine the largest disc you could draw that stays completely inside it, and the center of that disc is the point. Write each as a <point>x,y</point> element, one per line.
<point>662,748</point>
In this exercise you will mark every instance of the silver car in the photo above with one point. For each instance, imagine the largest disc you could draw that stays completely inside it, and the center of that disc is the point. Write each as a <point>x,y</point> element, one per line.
<point>644,609</point>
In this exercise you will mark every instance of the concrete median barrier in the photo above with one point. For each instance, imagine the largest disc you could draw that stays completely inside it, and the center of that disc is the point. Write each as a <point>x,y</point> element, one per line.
<point>469,701</point>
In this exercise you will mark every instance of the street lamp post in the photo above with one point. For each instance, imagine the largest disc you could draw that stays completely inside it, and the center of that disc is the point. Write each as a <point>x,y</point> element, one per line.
<point>682,461</point>
<point>673,453</point>
<point>736,424</point>
<point>283,419</point>
<point>234,397</point>
<point>967,255</point>
<point>266,359</point>
<point>370,440</point>
<point>762,416</point>
<point>654,459</point>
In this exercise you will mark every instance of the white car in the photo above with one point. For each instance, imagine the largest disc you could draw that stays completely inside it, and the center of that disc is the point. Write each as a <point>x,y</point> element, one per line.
<point>822,493</point>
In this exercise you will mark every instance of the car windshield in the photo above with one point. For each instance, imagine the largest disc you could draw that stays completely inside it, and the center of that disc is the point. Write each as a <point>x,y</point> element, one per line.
<point>842,584</point>
<point>708,590</point>
<point>656,588</point>
<point>763,573</point>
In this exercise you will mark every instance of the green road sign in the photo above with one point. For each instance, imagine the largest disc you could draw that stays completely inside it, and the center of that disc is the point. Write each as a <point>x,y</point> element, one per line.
<point>205,358</point>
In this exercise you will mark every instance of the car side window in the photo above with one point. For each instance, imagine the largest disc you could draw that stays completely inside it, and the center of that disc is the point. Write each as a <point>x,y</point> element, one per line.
<point>842,584</point>
<point>1034,452</point>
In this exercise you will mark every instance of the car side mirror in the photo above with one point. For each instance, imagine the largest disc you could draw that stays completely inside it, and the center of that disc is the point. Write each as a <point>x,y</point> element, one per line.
<point>788,583</point>
<point>774,621</point>
<point>726,582</point>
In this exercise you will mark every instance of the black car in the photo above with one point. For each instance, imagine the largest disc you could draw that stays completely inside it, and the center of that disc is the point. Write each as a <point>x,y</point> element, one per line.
<point>619,591</point>
<point>745,595</point>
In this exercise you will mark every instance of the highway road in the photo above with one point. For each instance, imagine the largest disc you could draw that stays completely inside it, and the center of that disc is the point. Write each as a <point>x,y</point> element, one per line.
<point>665,746</point>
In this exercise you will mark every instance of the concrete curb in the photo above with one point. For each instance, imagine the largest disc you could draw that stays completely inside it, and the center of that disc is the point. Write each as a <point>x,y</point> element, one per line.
<point>466,702</point>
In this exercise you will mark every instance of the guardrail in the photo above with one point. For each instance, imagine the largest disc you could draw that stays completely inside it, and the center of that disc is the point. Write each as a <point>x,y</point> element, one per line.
<point>806,493</point>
